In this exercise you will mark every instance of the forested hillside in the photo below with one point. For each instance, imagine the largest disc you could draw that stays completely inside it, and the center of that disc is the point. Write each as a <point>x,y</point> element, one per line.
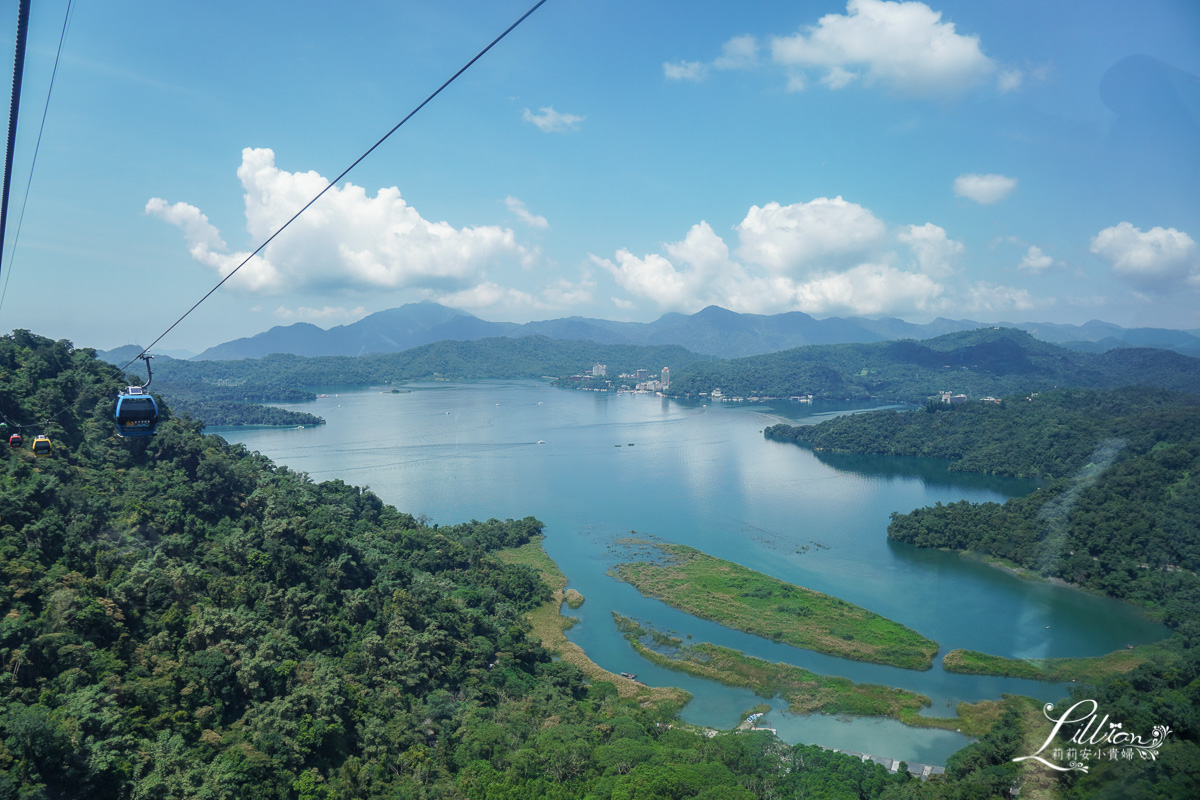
<point>184,619</point>
<point>988,361</point>
<point>1118,514</point>
<point>180,618</point>
<point>1047,435</point>
<point>1119,511</point>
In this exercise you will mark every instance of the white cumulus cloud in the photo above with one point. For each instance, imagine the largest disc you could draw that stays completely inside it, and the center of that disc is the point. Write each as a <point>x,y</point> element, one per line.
<point>1035,261</point>
<point>984,189</point>
<point>518,208</point>
<point>904,45</point>
<point>685,70</point>
<point>550,121</point>
<point>325,314</point>
<point>838,78</point>
<point>562,293</point>
<point>797,237</point>
<point>740,52</point>
<point>827,256</point>
<point>1158,259</point>
<point>991,298</point>
<point>867,289</point>
<point>801,257</point>
<point>486,294</point>
<point>347,239</point>
<point>936,252</point>
<point>1009,80</point>
<point>201,236</point>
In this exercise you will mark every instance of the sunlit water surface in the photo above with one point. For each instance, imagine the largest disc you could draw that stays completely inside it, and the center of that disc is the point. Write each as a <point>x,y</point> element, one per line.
<point>596,466</point>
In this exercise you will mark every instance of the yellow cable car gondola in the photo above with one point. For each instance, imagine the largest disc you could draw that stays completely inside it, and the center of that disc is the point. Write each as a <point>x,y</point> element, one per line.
<point>41,445</point>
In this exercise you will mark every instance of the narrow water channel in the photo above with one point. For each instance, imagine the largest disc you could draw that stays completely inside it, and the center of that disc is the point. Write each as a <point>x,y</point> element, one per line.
<point>595,467</point>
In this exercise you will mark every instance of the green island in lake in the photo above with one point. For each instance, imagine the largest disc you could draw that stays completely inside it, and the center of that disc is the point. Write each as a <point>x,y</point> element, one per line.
<point>741,598</point>
<point>807,692</point>
<point>1091,670</point>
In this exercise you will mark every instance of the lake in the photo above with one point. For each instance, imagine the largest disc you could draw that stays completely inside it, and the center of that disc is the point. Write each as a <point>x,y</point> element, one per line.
<point>594,466</point>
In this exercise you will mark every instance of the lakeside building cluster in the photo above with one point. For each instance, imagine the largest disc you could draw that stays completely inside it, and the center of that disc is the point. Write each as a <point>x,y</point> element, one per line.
<point>639,380</point>
<point>951,399</point>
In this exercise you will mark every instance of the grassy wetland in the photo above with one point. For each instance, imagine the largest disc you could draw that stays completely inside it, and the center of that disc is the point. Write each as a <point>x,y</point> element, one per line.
<point>806,692</point>
<point>746,600</point>
<point>550,626</point>
<point>1061,670</point>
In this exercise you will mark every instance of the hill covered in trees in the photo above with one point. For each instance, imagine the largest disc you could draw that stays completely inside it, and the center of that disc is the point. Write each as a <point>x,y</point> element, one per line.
<point>988,361</point>
<point>1119,509</point>
<point>1118,513</point>
<point>180,618</point>
<point>184,619</point>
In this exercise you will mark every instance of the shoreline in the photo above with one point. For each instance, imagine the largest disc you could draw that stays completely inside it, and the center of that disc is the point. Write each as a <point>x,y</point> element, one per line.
<point>750,601</point>
<point>550,626</point>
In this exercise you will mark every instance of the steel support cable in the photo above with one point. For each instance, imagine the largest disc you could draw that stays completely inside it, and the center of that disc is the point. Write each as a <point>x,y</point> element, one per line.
<point>14,107</point>
<point>36,148</point>
<point>333,182</point>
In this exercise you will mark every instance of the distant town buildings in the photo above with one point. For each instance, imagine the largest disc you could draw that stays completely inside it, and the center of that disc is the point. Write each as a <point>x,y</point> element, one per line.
<point>950,398</point>
<point>640,380</point>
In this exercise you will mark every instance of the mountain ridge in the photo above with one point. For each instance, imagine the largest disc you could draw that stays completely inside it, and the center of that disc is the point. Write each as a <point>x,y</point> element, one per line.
<point>713,331</point>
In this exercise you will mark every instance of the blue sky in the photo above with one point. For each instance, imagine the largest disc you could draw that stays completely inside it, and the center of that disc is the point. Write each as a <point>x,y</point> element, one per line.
<point>1021,161</point>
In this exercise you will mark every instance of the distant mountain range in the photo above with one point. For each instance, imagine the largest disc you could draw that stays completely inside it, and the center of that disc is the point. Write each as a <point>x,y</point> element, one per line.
<point>712,331</point>
<point>986,361</point>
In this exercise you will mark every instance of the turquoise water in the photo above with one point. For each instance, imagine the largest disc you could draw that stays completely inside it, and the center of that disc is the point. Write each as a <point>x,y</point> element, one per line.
<point>703,475</point>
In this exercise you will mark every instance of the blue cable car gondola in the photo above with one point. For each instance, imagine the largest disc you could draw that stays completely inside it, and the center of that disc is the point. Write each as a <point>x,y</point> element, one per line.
<point>137,413</point>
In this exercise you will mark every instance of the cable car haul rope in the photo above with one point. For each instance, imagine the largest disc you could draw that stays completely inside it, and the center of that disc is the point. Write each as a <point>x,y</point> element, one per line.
<point>136,412</point>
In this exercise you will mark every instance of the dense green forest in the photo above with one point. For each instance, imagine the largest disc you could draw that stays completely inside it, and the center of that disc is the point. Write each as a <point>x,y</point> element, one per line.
<point>1119,514</point>
<point>1119,509</point>
<point>182,618</point>
<point>987,361</point>
<point>236,405</point>
<point>223,403</point>
<point>1048,435</point>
